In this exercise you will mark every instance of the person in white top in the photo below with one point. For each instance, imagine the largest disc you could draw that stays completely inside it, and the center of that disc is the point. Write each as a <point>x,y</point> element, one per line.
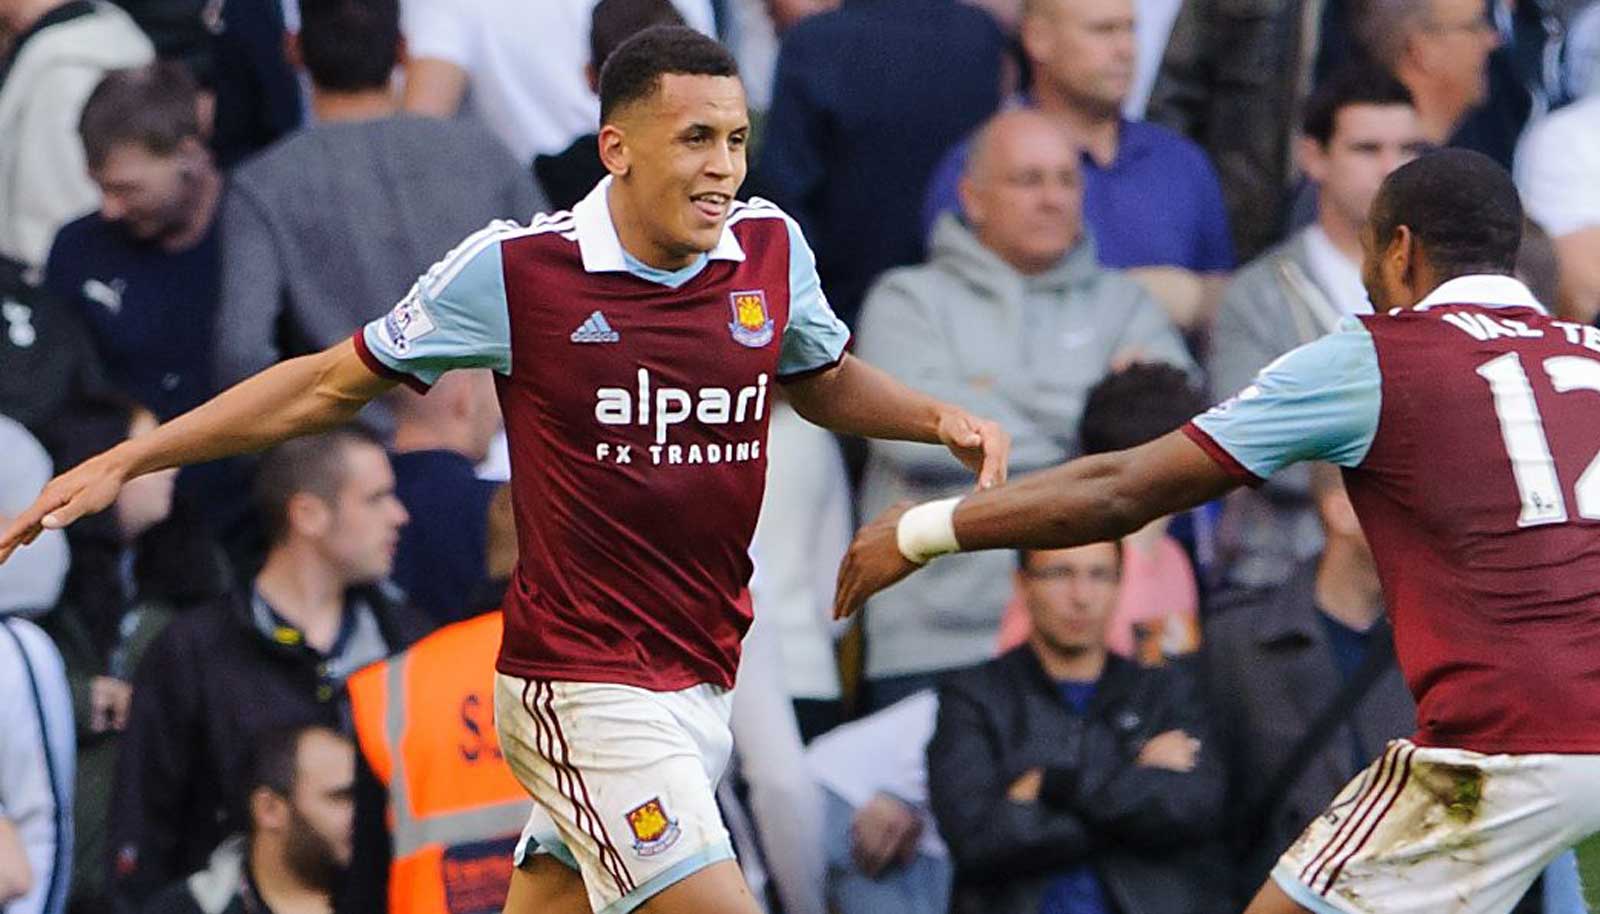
<point>1558,173</point>
<point>56,55</point>
<point>1361,125</point>
<point>524,63</point>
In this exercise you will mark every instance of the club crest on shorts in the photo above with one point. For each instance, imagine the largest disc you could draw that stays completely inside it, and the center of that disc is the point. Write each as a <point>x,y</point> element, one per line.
<point>752,325</point>
<point>653,830</point>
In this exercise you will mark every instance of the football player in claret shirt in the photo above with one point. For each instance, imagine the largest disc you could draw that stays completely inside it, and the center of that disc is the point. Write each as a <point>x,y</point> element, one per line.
<point>638,342</point>
<point>1464,418</point>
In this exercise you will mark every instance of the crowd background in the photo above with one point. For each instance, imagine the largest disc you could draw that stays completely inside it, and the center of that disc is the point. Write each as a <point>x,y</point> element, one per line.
<point>1087,219</point>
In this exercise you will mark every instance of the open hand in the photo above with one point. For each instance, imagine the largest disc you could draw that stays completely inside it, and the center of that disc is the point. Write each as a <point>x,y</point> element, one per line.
<point>982,446</point>
<point>89,487</point>
<point>873,562</point>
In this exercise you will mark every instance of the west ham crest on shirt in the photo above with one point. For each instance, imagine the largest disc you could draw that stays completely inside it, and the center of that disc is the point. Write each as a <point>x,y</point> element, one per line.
<point>752,325</point>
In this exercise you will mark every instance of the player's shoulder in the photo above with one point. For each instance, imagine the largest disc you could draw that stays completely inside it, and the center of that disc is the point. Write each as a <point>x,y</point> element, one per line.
<point>758,211</point>
<point>488,243</point>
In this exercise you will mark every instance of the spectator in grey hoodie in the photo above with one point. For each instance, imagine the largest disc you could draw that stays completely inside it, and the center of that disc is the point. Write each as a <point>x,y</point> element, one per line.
<point>1011,316</point>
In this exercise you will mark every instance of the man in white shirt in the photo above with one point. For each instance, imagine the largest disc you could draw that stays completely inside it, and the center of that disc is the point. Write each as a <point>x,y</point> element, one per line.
<point>1558,173</point>
<point>524,62</point>
<point>1358,128</point>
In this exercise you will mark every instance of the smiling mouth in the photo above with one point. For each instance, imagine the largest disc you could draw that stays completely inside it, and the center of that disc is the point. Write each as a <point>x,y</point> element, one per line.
<point>712,205</point>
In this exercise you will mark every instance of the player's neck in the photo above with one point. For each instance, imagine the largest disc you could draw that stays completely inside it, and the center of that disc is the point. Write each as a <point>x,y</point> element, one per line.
<point>367,105</point>
<point>281,890</point>
<point>627,222</point>
<point>300,587</point>
<point>1347,585</point>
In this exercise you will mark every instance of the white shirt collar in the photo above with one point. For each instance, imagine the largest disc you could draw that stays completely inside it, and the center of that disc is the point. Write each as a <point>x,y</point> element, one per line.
<point>1339,277</point>
<point>1487,289</point>
<point>602,249</point>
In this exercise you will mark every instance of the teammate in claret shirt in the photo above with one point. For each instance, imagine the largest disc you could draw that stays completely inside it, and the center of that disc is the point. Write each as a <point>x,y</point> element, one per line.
<point>1465,419</point>
<point>638,342</point>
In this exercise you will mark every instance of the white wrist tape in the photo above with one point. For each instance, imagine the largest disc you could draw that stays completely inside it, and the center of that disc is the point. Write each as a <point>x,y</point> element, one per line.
<point>928,531</point>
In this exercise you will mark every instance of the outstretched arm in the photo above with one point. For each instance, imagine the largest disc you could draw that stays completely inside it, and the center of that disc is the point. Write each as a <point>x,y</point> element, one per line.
<point>297,397</point>
<point>1092,499</point>
<point>855,398</point>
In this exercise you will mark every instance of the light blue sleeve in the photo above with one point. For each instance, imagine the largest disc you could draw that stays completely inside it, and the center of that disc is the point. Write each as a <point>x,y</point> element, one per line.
<point>455,316</point>
<point>1318,402</point>
<point>815,337</point>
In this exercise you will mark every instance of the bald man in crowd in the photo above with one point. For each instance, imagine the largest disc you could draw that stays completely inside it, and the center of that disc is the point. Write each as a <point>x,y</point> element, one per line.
<point>1011,316</point>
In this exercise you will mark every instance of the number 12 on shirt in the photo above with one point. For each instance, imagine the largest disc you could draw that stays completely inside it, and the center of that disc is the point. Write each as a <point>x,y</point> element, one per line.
<point>1522,429</point>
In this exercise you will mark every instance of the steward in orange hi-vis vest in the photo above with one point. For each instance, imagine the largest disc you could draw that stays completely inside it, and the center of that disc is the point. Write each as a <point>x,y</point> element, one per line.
<point>425,723</point>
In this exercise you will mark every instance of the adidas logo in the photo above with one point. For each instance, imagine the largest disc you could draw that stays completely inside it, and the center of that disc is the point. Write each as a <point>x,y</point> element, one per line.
<point>595,330</point>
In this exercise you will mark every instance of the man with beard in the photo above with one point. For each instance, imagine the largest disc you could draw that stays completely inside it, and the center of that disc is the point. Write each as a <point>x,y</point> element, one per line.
<point>300,810</point>
<point>142,271</point>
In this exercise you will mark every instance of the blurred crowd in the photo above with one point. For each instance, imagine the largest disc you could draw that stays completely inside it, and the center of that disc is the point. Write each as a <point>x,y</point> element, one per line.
<point>265,684</point>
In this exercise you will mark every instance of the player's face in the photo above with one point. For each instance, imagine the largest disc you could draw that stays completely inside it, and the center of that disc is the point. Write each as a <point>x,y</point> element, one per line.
<point>322,811</point>
<point>1024,199</point>
<point>365,527</point>
<point>683,158</point>
<point>1368,142</point>
<point>1070,594</point>
<point>1086,49</point>
<point>149,196</point>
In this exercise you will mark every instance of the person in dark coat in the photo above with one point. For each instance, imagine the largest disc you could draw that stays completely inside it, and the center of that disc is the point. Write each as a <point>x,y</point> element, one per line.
<point>1064,778</point>
<point>276,655</point>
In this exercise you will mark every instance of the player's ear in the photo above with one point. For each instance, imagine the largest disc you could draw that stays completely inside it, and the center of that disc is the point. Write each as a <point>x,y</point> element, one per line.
<point>614,154</point>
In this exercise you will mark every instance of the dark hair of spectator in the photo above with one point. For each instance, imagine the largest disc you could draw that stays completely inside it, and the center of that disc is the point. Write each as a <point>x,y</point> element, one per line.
<point>315,464</point>
<point>615,21</point>
<point>1135,405</point>
<point>153,106</point>
<point>350,45</point>
<point>1023,555</point>
<point>633,71</point>
<point>275,759</point>
<point>1382,28</point>
<point>1461,206</point>
<point>1356,84</point>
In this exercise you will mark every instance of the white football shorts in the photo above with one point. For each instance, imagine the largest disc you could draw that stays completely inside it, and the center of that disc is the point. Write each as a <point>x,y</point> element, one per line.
<point>623,780</point>
<point>1425,830</point>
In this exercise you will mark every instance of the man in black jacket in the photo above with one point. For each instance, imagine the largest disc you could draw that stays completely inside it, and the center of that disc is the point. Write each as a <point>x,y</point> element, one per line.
<point>221,676</point>
<point>1064,778</point>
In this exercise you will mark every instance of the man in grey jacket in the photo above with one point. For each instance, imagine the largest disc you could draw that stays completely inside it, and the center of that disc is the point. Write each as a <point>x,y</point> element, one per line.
<point>1010,316</point>
<point>1359,127</point>
<point>349,210</point>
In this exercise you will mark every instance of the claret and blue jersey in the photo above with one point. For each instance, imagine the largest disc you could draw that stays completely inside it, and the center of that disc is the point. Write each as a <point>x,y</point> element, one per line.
<point>1466,428</point>
<point>636,404</point>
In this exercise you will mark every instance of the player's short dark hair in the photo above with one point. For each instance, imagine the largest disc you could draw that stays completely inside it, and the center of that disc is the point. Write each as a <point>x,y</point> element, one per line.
<point>1462,207</point>
<point>274,760</point>
<point>1135,405</point>
<point>153,106</point>
<point>615,21</point>
<point>314,464</point>
<point>1355,84</point>
<point>634,70</point>
<point>350,45</point>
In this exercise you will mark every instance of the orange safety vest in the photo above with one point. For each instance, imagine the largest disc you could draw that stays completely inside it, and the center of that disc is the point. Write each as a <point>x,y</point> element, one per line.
<point>425,723</point>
